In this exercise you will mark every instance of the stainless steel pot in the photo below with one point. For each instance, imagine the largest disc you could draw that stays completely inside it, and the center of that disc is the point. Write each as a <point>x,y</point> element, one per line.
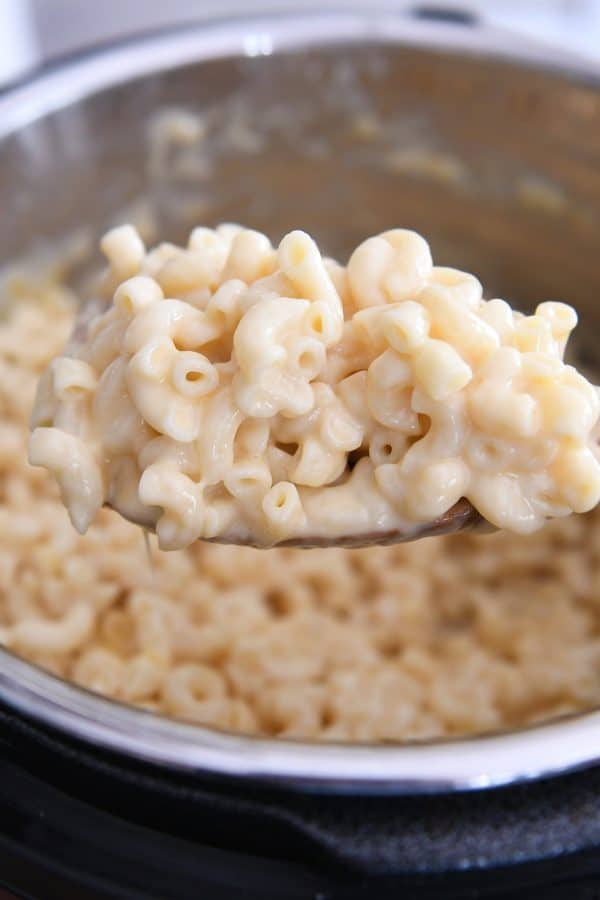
<point>343,124</point>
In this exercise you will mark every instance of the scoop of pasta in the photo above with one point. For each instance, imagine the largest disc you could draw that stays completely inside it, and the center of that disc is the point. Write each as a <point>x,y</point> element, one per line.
<point>236,392</point>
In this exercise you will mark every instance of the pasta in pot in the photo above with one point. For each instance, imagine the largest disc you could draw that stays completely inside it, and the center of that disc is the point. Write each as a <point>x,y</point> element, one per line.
<point>447,636</point>
<point>238,392</point>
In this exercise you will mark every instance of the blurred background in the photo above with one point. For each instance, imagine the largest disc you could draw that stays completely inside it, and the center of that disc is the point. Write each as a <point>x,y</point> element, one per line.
<point>35,31</point>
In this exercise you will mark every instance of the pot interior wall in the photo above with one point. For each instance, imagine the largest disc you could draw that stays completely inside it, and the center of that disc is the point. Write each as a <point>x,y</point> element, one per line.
<point>498,164</point>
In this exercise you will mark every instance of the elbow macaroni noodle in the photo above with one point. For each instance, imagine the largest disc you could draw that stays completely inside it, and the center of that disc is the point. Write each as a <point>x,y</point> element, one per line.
<point>389,643</point>
<point>243,393</point>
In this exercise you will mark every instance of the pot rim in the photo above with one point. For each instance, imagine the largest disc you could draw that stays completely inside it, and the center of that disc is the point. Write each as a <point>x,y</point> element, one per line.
<point>84,73</point>
<point>461,764</point>
<point>440,766</point>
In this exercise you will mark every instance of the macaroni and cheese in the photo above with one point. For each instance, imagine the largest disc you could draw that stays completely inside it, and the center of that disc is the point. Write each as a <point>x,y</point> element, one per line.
<point>238,392</point>
<point>448,636</point>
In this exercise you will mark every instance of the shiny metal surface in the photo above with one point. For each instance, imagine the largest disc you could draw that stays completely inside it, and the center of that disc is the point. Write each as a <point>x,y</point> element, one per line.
<point>323,122</point>
<point>468,764</point>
